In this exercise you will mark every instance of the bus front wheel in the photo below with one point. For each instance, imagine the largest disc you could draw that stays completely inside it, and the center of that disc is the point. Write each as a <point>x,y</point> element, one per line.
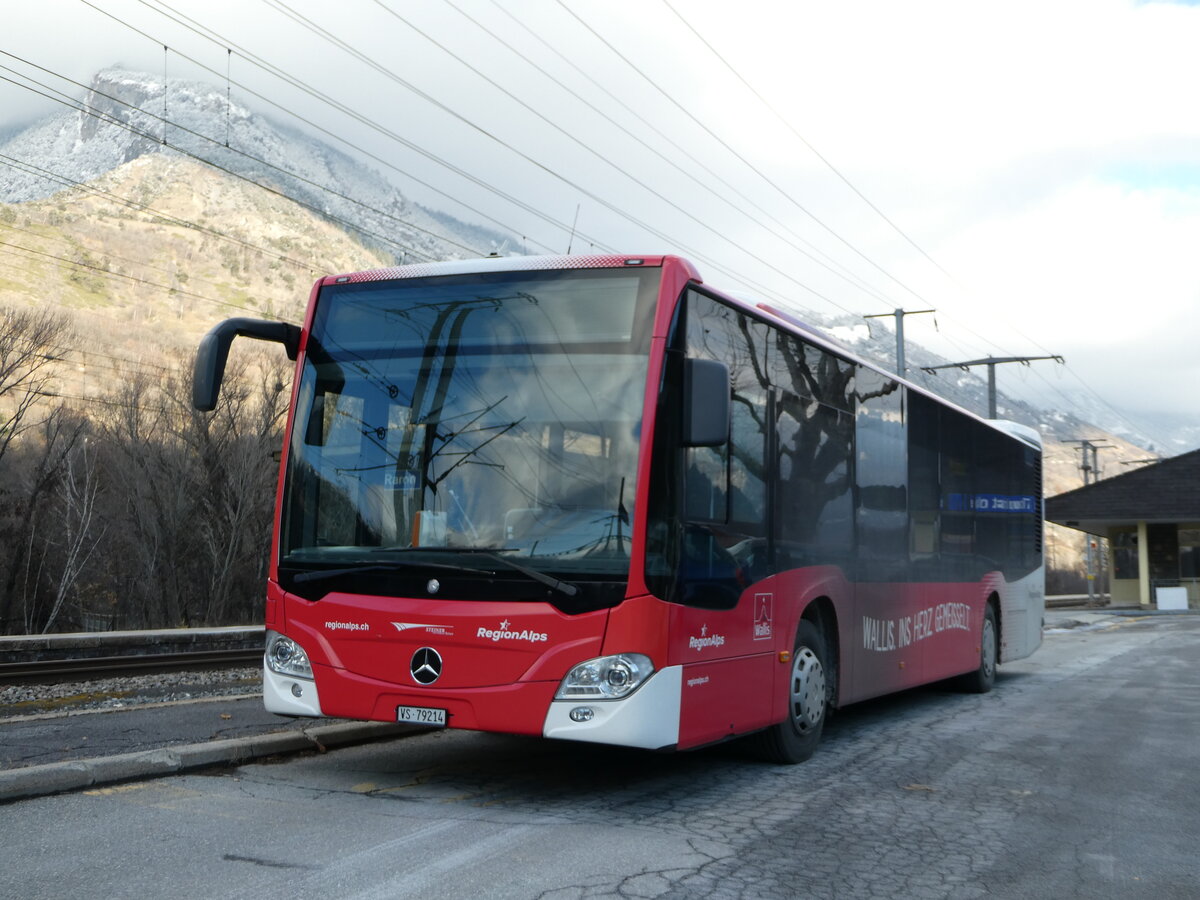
<point>795,738</point>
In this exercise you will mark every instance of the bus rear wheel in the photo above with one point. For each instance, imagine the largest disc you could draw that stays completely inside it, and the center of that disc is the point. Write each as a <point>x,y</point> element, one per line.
<point>795,738</point>
<point>981,680</point>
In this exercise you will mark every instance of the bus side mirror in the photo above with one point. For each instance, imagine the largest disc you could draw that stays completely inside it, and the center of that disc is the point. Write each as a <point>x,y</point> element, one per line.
<point>209,369</point>
<point>705,403</point>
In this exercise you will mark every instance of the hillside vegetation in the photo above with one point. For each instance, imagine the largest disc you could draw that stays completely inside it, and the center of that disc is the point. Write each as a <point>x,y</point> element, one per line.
<point>121,507</point>
<point>190,247</point>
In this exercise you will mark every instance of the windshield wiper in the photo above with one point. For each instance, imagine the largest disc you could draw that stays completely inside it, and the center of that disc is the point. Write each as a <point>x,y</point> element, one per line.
<point>490,554</point>
<point>549,580</point>
<point>322,574</point>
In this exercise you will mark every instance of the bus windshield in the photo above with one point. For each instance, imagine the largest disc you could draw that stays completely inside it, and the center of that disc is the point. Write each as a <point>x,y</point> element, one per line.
<point>484,414</point>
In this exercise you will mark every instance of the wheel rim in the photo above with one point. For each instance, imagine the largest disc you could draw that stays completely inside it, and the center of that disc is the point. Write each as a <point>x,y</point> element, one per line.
<point>808,690</point>
<point>989,647</point>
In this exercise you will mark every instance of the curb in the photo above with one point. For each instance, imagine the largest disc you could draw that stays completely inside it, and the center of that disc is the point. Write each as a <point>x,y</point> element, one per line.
<point>55,778</point>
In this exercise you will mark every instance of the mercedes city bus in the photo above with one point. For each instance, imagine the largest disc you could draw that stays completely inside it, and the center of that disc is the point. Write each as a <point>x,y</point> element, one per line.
<point>592,498</point>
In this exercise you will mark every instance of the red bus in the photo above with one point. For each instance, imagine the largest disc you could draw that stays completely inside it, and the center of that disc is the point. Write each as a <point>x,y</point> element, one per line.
<point>592,498</point>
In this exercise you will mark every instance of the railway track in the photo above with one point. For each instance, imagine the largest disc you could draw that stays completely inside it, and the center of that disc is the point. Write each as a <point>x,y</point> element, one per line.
<point>81,669</point>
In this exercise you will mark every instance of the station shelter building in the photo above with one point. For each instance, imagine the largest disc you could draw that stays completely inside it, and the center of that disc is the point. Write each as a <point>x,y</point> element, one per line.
<point>1151,518</point>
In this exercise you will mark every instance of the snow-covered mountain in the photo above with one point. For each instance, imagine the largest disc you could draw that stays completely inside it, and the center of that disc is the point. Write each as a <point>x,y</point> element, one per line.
<point>126,122</point>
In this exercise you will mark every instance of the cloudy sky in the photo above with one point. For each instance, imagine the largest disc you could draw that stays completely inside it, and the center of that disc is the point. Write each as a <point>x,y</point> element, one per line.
<point>1031,170</point>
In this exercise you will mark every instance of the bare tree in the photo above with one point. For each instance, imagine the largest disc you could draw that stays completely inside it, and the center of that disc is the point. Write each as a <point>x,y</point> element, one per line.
<point>26,489</point>
<point>235,447</point>
<point>152,509</point>
<point>76,542</point>
<point>190,507</point>
<point>31,341</point>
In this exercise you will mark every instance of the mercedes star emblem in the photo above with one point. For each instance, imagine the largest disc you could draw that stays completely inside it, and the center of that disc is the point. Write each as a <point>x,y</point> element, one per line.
<point>426,666</point>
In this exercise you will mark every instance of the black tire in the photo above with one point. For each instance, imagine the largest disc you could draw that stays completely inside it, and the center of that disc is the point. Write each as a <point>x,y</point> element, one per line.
<point>795,738</point>
<point>982,679</point>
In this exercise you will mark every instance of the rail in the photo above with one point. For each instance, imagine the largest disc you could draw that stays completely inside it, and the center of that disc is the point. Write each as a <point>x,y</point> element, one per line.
<point>79,657</point>
<point>43,671</point>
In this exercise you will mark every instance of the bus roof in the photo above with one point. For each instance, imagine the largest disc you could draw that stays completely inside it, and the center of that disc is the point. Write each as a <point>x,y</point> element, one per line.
<point>788,320</point>
<point>495,264</point>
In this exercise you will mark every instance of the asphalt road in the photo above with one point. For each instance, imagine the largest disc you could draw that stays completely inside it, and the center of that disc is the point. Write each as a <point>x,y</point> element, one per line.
<point>1073,779</point>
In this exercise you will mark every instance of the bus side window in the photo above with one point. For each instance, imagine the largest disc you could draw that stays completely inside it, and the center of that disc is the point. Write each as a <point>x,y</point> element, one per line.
<point>814,450</point>
<point>727,484</point>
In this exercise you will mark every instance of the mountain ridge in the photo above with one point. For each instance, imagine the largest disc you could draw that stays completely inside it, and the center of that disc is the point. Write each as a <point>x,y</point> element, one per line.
<point>127,121</point>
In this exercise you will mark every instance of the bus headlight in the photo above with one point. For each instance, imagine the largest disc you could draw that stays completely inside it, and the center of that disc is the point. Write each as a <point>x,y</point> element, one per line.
<point>606,678</point>
<point>286,657</point>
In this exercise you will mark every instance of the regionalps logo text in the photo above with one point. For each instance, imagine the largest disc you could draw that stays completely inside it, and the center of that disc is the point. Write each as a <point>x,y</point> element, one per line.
<point>504,634</point>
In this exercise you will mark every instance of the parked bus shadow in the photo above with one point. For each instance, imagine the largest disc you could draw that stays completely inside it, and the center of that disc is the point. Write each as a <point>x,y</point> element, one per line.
<point>505,769</point>
<point>942,696</point>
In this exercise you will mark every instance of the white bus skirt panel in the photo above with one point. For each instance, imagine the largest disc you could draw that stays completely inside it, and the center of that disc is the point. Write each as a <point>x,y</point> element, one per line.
<point>647,718</point>
<point>280,695</point>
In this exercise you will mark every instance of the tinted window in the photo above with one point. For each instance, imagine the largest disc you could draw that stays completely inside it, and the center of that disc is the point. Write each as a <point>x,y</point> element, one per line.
<point>881,459</point>
<point>814,457</point>
<point>728,484</point>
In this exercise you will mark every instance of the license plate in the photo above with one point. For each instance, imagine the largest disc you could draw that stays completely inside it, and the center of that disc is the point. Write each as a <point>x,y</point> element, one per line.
<point>421,715</point>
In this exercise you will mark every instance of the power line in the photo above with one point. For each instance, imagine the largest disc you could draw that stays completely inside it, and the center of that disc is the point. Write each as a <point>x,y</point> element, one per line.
<point>111,274</point>
<point>845,180</point>
<point>757,171</point>
<point>167,218</point>
<point>1076,376</point>
<point>832,168</point>
<point>740,210</point>
<point>208,34</point>
<point>329,37</point>
<point>829,261</point>
<point>324,34</point>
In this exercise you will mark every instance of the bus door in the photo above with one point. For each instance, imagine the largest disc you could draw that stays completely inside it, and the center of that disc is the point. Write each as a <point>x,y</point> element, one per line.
<point>727,673</point>
<point>886,624</point>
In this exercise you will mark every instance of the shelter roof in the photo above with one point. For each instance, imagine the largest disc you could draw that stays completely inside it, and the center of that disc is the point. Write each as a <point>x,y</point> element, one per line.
<point>1167,491</point>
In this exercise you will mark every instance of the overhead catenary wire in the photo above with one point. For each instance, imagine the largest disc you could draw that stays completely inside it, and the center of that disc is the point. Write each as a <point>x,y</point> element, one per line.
<point>695,253</point>
<point>665,136</point>
<point>196,28</point>
<point>166,218</point>
<point>815,152</point>
<point>323,34</point>
<point>741,209</point>
<point>326,35</point>
<point>740,157</point>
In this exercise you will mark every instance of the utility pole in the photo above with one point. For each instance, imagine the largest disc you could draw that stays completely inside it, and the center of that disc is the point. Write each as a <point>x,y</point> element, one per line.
<point>899,314</point>
<point>1090,467</point>
<point>991,362</point>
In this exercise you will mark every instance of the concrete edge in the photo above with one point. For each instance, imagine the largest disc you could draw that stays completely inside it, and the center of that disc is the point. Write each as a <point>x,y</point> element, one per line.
<point>74,775</point>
